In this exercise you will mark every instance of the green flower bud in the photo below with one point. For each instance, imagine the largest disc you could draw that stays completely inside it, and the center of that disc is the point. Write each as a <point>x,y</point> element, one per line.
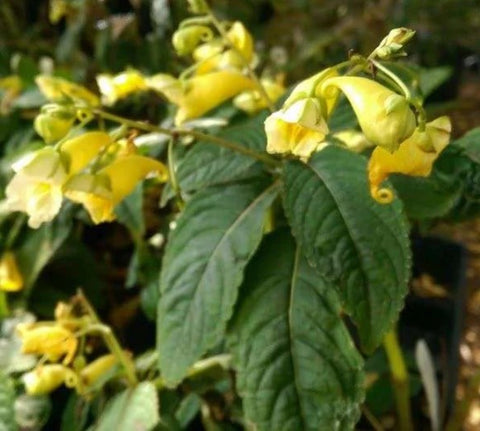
<point>186,39</point>
<point>392,45</point>
<point>54,122</point>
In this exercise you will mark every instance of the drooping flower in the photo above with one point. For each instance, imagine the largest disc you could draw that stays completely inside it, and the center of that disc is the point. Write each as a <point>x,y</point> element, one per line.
<point>58,89</point>
<point>253,101</point>
<point>101,192</point>
<point>410,158</point>
<point>201,93</point>
<point>116,87</point>
<point>11,279</point>
<point>51,340</point>
<point>299,129</point>
<point>384,116</point>
<point>46,378</point>
<point>36,187</point>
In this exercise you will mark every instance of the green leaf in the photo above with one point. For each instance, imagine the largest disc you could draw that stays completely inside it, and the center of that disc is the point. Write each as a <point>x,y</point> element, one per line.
<point>470,143</point>
<point>207,164</point>
<point>41,244</point>
<point>298,368</point>
<point>129,212</point>
<point>343,116</point>
<point>7,399</point>
<point>426,198</point>
<point>202,269</point>
<point>358,244</point>
<point>133,409</point>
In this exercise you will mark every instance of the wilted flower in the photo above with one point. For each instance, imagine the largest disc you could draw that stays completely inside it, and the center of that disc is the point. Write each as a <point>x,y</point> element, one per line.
<point>410,158</point>
<point>51,340</point>
<point>384,116</point>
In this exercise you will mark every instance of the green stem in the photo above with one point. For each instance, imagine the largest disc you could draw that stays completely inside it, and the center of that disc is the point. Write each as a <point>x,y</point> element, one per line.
<point>110,339</point>
<point>4,311</point>
<point>172,171</point>
<point>265,158</point>
<point>399,375</point>
<point>251,73</point>
<point>405,90</point>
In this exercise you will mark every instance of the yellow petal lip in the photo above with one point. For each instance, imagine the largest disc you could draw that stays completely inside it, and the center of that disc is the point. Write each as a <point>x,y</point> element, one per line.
<point>410,159</point>
<point>384,116</point>
<point>58,89</point>
<point>81,150</point>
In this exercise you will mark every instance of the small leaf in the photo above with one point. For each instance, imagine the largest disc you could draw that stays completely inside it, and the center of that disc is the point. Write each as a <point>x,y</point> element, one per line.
<point>202,269</point>
<point>298,368</point>
<point>356,243</point>
<point>7,399</point>
<point>133,409</point>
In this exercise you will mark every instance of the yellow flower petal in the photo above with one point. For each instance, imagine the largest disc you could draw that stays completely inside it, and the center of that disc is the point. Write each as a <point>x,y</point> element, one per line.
<point>200,94</point>
<point>410,158</point>
<point>97,368</point>
<point>115,87</point>
<point>11,279</point>
<point>59,89</point>
<point>384,116</point>
<point>81,150</point>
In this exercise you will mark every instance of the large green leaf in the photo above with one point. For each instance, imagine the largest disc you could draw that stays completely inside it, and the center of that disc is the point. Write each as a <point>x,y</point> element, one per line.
<point>208,164</point>
<point>358,244</point>
<point>297,366</point>
<point>7,399</point>
<point>133,409</point>
<point>202,269</point>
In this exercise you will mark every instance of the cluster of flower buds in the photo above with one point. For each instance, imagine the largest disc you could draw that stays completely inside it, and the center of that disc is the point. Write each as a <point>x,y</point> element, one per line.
<point>61,362</point>
<point>403,142</point>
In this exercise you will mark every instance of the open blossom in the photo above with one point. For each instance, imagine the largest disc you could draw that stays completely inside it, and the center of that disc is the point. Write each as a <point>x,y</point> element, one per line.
<point>384,116</point>
<point>37,186</point>
<point>101,192</point>
<point>411,158</point>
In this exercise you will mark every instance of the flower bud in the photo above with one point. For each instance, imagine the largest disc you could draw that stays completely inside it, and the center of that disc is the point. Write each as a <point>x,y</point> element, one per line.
<point>254,101</point>
<point>97,368</point>
<point>198,6</point>
<point>353,140</point>
<point>54,122</point>
<point>46,378</point>
<point>186,39</point>
<point>11,279</point>
<point>299,129</point>
<point>392,45</point>
<point>384,116</point>
<point>410,158</point>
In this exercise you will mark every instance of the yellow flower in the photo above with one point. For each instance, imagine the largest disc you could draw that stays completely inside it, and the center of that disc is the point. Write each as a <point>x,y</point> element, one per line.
<point>384,116</point>
<point>58,89</point>
<point>211,56</point>
<point>119,86</point>
<point>11,279</point>
<point>198,95</point>
<point>97,368</point>
<point>11,86</point>
<point>101,192</point>
<point>299,129</point>
<point>58,9</point>
<point>36,187</point>
<point>46,378</point>
<point>410,158</point>
<point>54,122</point>
<point>252,101</point>
<point>50,340</point>
<point>353,140</point>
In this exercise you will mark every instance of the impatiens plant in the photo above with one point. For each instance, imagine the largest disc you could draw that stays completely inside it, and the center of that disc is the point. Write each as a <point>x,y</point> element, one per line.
<point>287,257</point>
